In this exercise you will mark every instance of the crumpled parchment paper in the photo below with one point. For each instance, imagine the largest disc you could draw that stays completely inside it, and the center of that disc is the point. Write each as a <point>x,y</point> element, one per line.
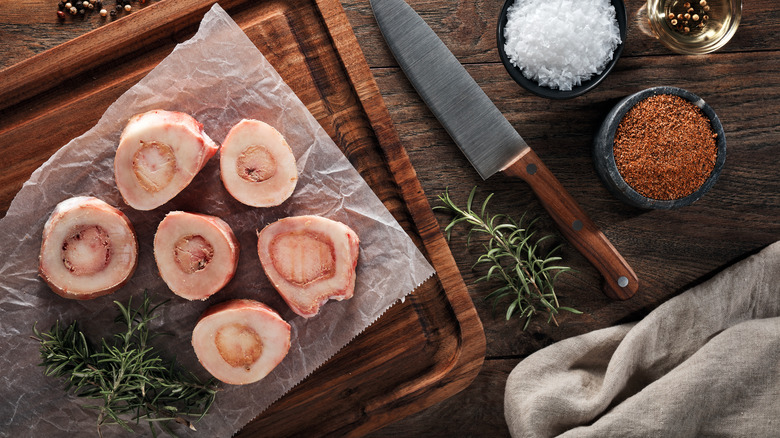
<point>219,77</point>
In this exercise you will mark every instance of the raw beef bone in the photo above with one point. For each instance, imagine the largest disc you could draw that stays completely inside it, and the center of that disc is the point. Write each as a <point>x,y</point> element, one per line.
<point>240,341</point>
<point>256,164</point>
<point>196,254</point>
<point>89,249</point>
<point>159,154</point>
<point>309,259</point>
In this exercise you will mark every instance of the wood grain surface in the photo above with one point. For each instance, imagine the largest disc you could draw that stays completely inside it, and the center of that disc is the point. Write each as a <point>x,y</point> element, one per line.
<point>670,251</point>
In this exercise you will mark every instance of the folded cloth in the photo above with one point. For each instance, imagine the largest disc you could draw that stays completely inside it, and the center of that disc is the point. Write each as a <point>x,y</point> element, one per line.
<point>705,363</point>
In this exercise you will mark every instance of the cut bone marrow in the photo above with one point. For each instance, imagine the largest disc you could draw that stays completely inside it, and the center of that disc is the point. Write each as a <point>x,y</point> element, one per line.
<point>240,341</point>
<point>257,165</point>
<point>159,154</point>
<point>309,260</point>
<point>196,254</point>
<point>89,249</point>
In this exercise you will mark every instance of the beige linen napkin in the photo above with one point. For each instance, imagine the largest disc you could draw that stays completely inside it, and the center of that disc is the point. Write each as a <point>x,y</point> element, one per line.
<point>705,363</point>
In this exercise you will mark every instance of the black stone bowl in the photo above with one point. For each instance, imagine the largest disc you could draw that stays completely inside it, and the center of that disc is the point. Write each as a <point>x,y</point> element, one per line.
<point>604,158</point>
<point>534,87</point>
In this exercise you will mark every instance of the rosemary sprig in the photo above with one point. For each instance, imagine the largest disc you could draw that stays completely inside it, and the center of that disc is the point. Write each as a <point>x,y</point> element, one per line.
<point>515,258</point>
<point>125,373</point>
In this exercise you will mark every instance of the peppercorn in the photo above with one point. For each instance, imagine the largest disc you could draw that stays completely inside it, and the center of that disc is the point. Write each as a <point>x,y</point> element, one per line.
<point>128,7</point>
<point>103,12</point>
<point>112,13</point>
<point>60,15</point>
<point>73,10</point>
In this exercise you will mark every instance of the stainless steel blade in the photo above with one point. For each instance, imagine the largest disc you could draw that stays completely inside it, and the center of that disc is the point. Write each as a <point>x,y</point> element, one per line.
<point>479,129</point>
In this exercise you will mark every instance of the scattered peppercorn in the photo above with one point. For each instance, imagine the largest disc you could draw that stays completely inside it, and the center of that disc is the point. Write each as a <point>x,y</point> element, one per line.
<point>85,7</point>
<point>665,147</point>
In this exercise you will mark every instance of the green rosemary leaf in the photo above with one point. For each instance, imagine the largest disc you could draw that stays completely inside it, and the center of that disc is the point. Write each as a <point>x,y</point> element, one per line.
<point>484,204</point>
<point>500,292</point>
<point>569,309</point>
<point>510,310</point>
<point>514,256</point>
<point>471,199</point>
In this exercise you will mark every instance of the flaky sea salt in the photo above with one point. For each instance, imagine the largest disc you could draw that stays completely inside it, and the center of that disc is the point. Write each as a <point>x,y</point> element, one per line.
<point>561,43</point>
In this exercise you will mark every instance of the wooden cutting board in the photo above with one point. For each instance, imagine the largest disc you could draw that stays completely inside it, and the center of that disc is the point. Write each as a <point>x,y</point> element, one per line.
<point>421,351</point>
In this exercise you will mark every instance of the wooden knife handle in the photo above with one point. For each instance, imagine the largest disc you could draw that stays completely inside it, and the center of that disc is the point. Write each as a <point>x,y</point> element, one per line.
<point>620,280</point>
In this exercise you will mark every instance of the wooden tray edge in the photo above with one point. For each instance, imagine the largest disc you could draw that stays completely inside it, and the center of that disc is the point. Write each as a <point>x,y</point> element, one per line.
<point>467,363</point>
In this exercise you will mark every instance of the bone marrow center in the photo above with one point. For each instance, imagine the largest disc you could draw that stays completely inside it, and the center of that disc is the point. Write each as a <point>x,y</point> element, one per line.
<point>239,345</point>
<point>256,164</point>
<point>154,165</point>
<point>192,253</point>
<point>86,250</point>
<point>303,257</point>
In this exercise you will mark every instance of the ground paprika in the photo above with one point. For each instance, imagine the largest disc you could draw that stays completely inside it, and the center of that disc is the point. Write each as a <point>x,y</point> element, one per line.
<point>665,147</point>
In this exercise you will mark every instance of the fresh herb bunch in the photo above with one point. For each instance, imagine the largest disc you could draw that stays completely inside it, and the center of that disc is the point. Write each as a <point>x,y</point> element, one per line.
<point>515,258</point>
<point>125,373</point>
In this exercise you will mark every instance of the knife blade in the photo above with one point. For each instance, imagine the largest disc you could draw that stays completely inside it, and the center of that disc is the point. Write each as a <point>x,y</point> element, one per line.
<point>486,137</point>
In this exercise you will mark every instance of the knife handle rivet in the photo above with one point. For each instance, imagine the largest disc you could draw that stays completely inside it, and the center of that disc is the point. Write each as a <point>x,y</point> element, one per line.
<point>577,225</point>
<point>531,169</point>
<point>622,281</point>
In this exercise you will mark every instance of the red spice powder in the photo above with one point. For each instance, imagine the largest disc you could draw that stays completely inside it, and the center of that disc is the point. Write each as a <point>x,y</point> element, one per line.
<point>665,147</point>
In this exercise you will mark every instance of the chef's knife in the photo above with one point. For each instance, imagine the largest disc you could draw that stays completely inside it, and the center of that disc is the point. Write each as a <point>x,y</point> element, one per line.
<point>487,139</point>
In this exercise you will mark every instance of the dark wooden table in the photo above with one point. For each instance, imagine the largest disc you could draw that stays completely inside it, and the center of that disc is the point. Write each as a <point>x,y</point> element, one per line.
<point>669,250</point>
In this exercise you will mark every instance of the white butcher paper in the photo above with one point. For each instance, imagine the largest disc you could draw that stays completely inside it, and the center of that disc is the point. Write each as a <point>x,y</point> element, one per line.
<point>219,77</point>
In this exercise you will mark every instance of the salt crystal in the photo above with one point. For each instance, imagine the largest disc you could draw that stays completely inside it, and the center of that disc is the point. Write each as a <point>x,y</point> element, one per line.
<point>561,43</point>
